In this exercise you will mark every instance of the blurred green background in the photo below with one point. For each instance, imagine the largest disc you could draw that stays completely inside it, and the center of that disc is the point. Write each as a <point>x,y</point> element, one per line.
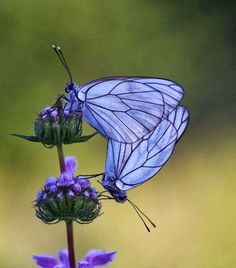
<point>193,199</point>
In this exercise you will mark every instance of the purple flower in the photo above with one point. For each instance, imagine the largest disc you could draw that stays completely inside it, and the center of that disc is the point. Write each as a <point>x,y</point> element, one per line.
<point>94,193</point>
<point>66,112</point>
<point>46,109</point>
<point>60,195</point>
<point>86,194</point>
<point>45,196</point>
<point>50,184</point>
<point>84,182</point>
<point>97,257</point>
<point>51,204</point>
<point>48,261</point>
<point>54,113</point>
<point>70,194</point>
<point>65,179</point>
<point>77,187</point>
<point>93,259</point>
<point>40,194</point>
<point>71,164</point>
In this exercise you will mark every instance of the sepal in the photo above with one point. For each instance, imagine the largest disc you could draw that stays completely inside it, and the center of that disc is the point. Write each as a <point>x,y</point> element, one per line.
<point>85,138</point>
<point>26,137</point>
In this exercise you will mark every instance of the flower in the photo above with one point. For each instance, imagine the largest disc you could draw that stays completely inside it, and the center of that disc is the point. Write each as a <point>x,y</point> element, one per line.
<point>56,125</point>
<point>71,164</point>
<point>68,197</point>
<point>94,258</point>
<point>97,257</point>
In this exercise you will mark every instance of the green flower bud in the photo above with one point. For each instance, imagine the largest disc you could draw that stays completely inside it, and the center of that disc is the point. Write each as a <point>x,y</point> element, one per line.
<point>75,200</point>
<point>57,125</point>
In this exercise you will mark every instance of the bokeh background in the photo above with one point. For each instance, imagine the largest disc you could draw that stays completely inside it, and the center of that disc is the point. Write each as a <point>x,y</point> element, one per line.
<point>193,198</point>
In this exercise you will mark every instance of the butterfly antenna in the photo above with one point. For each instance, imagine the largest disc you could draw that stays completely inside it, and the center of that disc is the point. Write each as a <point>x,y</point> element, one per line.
<point>99,182</point>
<point>139,212</point>
<point>102,192</point>
<point>151,222</point>
<point>92,175</point>
<point>105,197</point>
<point>60,55</point>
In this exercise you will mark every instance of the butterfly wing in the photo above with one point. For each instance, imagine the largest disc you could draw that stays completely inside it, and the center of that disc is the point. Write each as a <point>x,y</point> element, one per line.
<point>179,118</point>
<point>127,108</point>
<point>149,155</point>
<point>171,91</point>
<point>117,155</point>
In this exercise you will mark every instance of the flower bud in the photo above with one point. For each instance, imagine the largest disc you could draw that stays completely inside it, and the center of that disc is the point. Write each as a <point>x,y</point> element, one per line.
<point>67,198</point>
<point>55,126</point>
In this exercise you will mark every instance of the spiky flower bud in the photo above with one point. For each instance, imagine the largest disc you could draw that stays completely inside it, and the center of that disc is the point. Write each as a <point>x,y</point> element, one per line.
<point>54,126</point>
<point>67,198</point>
<point>59,202</point>
<point>57,125</point>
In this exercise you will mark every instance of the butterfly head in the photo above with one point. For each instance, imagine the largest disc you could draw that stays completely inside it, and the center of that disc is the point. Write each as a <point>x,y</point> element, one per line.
<point>108,183</point>
<point>120,196</point>
<point>73,103</point>
<point>71,87</point>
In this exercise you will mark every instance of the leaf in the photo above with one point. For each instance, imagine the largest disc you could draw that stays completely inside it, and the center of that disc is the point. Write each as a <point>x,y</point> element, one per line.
<point>85,138</point>
<point>26,137</point>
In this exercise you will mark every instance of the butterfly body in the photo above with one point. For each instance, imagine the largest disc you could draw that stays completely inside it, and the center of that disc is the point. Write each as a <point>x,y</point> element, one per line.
<point>73,102</point>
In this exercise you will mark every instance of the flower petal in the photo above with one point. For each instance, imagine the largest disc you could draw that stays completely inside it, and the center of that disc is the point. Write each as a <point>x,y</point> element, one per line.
<point>83,181</point>
<point>96,257</point>
<point>70,164</point>
<point>84,264</point>
<point>45,261</point>
<point>65,179</point>
<point>64,258</point>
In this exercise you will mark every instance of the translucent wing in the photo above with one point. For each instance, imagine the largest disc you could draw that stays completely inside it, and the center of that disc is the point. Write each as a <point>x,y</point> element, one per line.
<point>117,155</point>
<point>179,118</point>
<point>127,108</point>
<point>148,155</point>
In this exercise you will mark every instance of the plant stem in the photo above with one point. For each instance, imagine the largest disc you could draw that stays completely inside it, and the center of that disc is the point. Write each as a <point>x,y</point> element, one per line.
<point>69,224</point>
<point>61,157</point>
<point>70,242</point>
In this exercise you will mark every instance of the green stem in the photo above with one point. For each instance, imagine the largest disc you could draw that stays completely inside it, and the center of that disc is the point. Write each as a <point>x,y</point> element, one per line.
<point>69,224</point>
<point>70,242</point>
<point>61,157</point>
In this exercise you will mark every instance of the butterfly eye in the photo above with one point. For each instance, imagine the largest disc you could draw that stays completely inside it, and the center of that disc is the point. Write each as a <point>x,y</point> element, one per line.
<point>69,87</point>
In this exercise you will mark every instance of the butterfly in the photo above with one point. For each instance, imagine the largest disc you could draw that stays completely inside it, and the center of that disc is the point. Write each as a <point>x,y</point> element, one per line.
<point>129,165</point>
<point>122,108</point>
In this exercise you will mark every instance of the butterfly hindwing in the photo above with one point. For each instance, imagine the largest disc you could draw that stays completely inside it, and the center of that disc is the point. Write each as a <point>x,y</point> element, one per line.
<point>133,164</point>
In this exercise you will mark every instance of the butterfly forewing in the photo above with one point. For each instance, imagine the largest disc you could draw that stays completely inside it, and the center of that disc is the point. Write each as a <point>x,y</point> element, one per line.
<point>171,91</point>
<point>127,108</point>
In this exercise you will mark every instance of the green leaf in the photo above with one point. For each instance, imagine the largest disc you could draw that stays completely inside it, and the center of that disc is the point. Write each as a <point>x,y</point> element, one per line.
<point>25,137</point>
<point>85,138</point>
